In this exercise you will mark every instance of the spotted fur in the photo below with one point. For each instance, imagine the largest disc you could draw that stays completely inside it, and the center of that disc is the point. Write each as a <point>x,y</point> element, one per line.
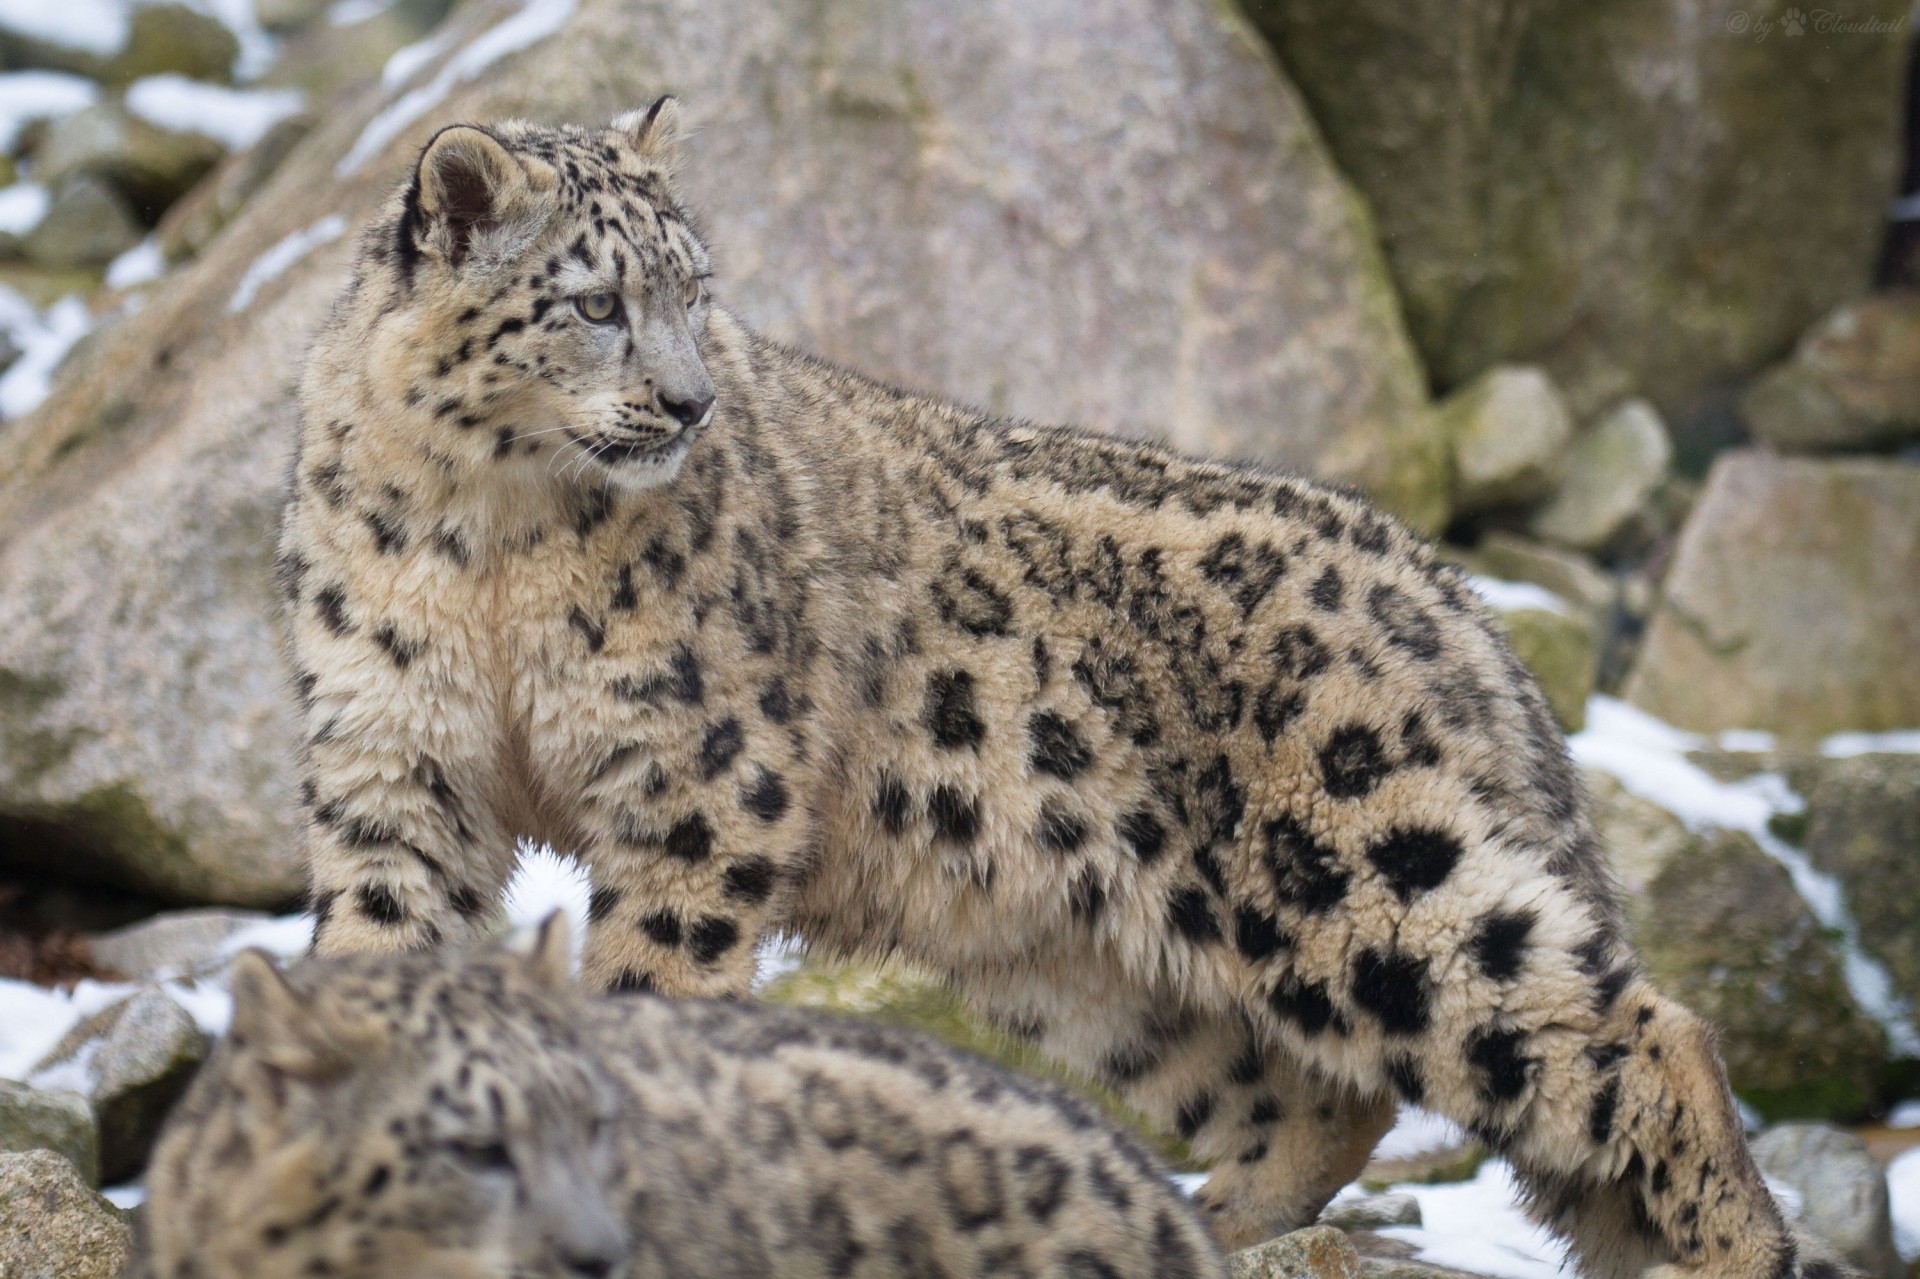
<point>1213,782</point>
<point>374,1116</point>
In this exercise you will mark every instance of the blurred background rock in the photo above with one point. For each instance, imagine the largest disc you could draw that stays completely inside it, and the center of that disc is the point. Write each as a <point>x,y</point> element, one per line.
<point>1620,301</point>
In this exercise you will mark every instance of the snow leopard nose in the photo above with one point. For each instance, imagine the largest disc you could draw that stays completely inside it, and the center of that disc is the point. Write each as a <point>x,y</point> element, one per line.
<point>686,411</point>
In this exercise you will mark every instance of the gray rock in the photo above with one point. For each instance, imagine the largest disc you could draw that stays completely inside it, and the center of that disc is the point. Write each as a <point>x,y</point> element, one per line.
<point>1318,1252</point>
<point>88,224</point>
<point>1613,469</point>
<point>131,1061</point>
<point>1579,185</point>
<point>1562,649</point>
<point>1853,381</point>
<point>1863,828</point>
<point>282,16</point>
<point>179,942</point>
<point>1571,575</point>
<point>1509,430</point>
<point>1372,1212</point>
<point>1790,604</point>
<point>1842,1189</point>
<point>55,1226</point>
<point>1723,930</point>
<point>160,38</point>
<point>42,1119</point>
<point>880,205</point>
<point>150,165</point>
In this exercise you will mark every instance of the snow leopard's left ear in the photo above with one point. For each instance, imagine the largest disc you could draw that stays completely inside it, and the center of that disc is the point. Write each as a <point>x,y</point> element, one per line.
<point>472,195</point>
<point>655,133</point>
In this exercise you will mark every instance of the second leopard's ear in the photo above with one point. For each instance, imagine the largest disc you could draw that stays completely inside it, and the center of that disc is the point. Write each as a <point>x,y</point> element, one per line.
<point>279,1028</point>
<point>655,133</point>
<point>472,194</point>
<point>549,962</point>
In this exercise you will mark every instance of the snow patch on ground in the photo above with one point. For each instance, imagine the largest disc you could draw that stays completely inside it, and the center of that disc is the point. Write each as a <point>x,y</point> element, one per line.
<point>1903,1190</point>
<point>1418,1132</point>
<point>1649,758</point>
<point>1512,597</point>
<point>345,13</point>
<point>95,26</point>
<point>1904,1115</point>
<point>237,118</point>
<point>272,264</point>
<point>26,96</point>
<point>536,20</point>
<point>1904,741</point>
<point>1478,1226</point>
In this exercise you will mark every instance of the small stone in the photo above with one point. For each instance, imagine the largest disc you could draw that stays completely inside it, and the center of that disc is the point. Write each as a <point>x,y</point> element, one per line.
<point>1509,431</point>
<point>1571,575</point>
<point>1373,1212</point>
<point>150,165</point>
<point>1318,1252</point>
<point>1562,649</point>
<point>55,1226</point>
<point>177,943</point>
<point>1842,1189</point>
<point>1853,382</point>
<point>282,16</point>
<point>42,1119</point>
<point>131,1060</point>
<point>173,39</point>
<point>89,224</point>
<point>1612,470</point>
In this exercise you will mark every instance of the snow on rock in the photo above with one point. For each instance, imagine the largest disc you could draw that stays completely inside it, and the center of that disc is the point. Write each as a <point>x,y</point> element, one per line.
<point>26,96</point>
<point>1904,1115</point>
<point>1649,758</point>
<point>144,262</point>
<point>96,26</point>
<point>270,265</point>
<point>237,118</point>
<point>535,21</point>
<point>1511,597</point>
<point>1903,1190</point>
<point>22,205</point>
<point>1905,741</point>
<point>43,341</point>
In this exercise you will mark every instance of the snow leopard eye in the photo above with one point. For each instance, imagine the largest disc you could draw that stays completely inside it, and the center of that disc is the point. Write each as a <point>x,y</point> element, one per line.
<point>597,308</point>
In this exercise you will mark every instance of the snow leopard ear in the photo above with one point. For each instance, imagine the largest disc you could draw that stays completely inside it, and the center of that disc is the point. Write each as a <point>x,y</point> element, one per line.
<point>549,962</point>
<point>472,193</point>
<point>278,1027</point>
<point>655,133</point>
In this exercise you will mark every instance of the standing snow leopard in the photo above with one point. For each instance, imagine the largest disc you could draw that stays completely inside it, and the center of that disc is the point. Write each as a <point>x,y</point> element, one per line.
<point>1213,783</point>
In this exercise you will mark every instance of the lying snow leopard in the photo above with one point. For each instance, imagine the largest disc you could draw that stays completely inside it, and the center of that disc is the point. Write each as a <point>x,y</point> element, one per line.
<point>1214,783</point>
<point>401,1115</point>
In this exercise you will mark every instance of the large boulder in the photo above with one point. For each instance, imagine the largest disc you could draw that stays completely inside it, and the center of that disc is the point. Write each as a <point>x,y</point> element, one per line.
<point>1645,196</point>
<point>1723,930</point>
<point>1791,603</point>
<point>1863,828</point>
<point>1155,241</point>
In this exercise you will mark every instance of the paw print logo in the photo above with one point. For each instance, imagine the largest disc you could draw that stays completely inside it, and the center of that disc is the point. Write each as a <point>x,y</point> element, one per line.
<point>1793,22</point>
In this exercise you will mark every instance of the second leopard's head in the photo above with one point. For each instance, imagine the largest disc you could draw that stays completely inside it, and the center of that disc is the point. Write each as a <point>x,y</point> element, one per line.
<point>550,298</point>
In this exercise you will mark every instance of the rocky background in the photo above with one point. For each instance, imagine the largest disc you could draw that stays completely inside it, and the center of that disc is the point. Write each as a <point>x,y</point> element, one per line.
<point>1620,301</point>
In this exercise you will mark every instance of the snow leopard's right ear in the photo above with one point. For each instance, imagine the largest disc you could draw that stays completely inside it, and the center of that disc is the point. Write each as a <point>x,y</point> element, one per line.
<point>655,133</point>
<point>472,196</point>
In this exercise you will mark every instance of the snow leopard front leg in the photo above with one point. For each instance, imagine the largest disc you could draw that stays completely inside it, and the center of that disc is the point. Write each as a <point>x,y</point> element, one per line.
<point>694,832</point>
